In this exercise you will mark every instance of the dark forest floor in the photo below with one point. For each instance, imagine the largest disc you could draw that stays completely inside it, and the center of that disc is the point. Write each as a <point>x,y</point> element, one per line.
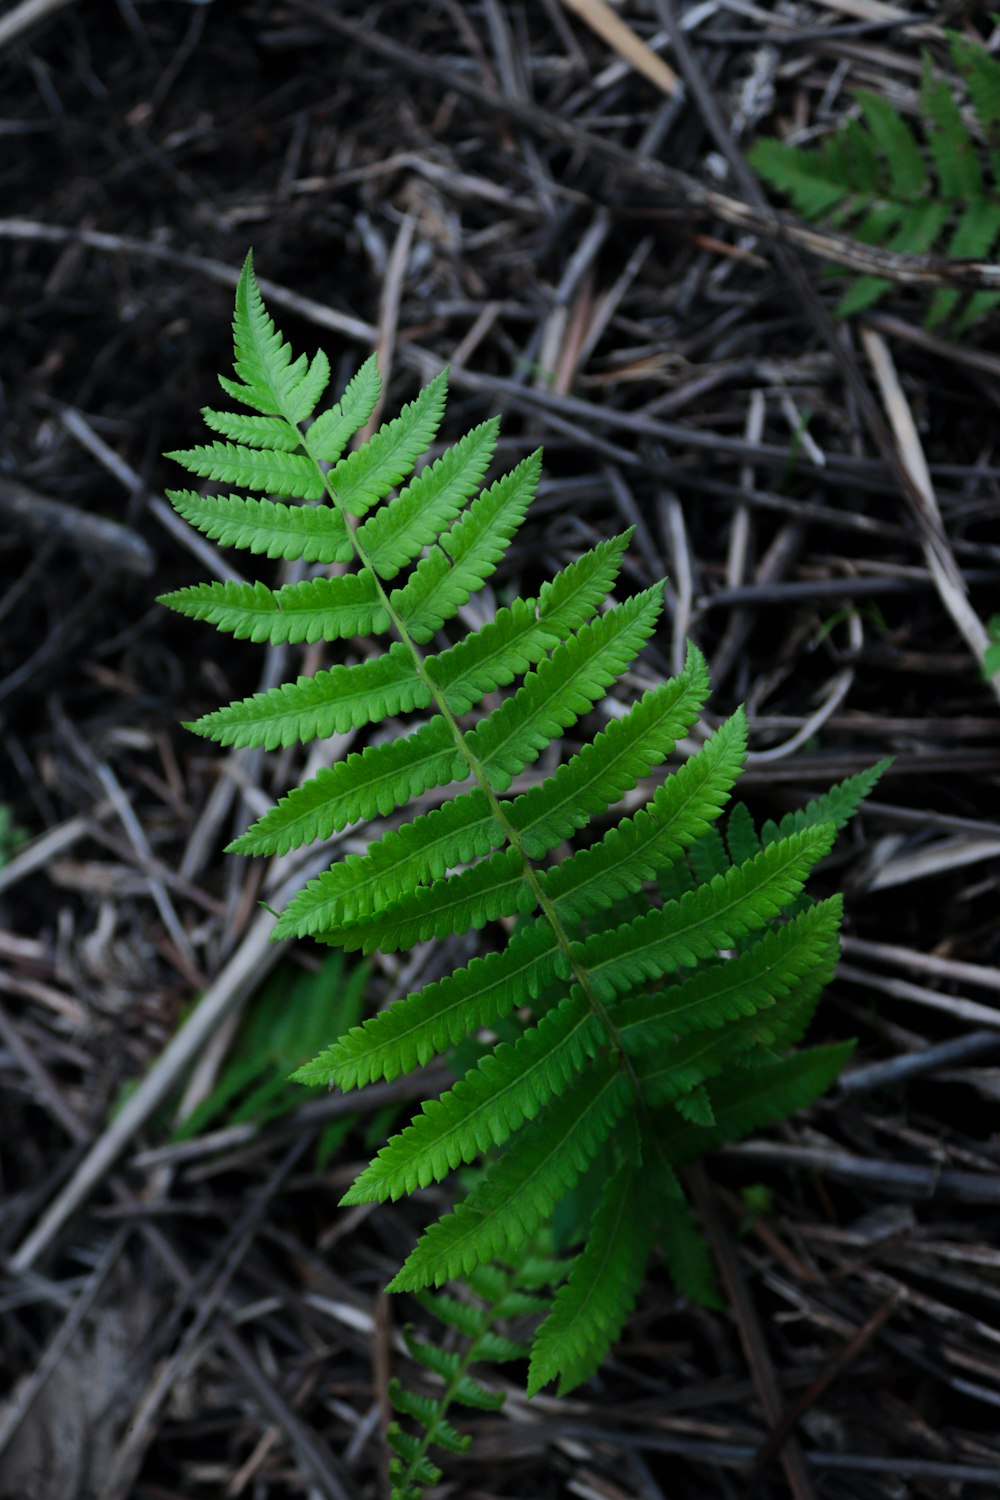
<point>477,184</point>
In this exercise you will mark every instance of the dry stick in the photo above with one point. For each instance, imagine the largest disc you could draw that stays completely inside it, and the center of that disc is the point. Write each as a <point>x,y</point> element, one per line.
<point>581,416</point>
<point>388,317</point>
<point>608,25</point>
<point>310,1451</point>
<point>43,850</point>
<point>955,1006</point>
<point>24,15</point>
<point>658,182</point>
<point>124,1469</point>
<point>115,546</point>
<point>27,1394</point>
<point>926,963</point>
<point>943,568</point>
<point>808,1398</point>
<point>253,959</point>
<point>904,1177</point>
<point>751,1333</point>
<point>895,1070</point>
<point>925,513</point>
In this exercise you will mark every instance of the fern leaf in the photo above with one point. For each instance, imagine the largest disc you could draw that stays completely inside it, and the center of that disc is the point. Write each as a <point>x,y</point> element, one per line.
<point>974,237</point>
<point>613,866</point>
<point>467,554</point>
<point>312,533</point>
<point>447,1364</point>
<point>748,1101</point>
<point>331,702</point>
<point>687,1257</point>
<point>711,917</point>
<point>470,1319</point>
<point>981,74</point>
<point>357,885</point>
<point>800,174</point>
<point>523,633</point>
<point>367,475</point>
<point>427,1411</point>
<point>671,1067</point>
<point>741,835</point>
<point>348,893</point>
<point>590,1308</point>
<point>520,1190</point>
<point>253,432</point>
<point>465,829</point>
<point>333,429</point>
<point>484,660</point>
<point>317,609</point>
<point>367,784</point>
<point>411,1470</point>
<point>871,179</point>
<point>612,763</point>
<point>837,806</point>
<point>897,143</point>
<point>414,1030</point>
<point>271,470</point>
<point>634,851</point>
<point>562,688</point>
<point>774,965</point>
<point>708,857</point>
<point>273,382</point>
<point>951,145</point>
<point>395,534</point>
<point>577,591</point>
<point>506,1088</point>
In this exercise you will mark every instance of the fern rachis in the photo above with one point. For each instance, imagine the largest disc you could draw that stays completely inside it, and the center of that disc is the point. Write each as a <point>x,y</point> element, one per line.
<point>631,1032</point>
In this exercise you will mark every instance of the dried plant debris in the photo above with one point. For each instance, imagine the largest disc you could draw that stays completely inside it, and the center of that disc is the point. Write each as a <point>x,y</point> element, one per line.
<point>497,188</point>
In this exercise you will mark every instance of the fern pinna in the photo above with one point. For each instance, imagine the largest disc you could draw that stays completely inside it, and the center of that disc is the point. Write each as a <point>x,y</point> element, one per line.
<point>875,180</point>
<point>637,994</point>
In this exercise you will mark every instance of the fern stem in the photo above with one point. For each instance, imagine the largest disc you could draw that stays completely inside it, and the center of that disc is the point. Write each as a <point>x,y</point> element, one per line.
<point>545,905</point>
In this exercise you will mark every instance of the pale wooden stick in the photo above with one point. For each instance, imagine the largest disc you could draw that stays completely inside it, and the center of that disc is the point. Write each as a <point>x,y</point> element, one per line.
<point>599,16</point>
<point>943,569</point>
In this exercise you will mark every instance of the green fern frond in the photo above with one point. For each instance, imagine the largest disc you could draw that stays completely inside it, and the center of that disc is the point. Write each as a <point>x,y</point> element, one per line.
<point>317,609</point>
<point>466,554</point>
<point>880,181</point>
<point>398,531</point>
<point>314,534</point>
<point>749,1100</point>
<point>252,432</point>
<point>687,1256</point>
<point>711,917</point>
<point>774,965</point>
<point>500,1293</point>
<point>591,1307</point>
<point>507,1087</point>
<point>605,1034</point>
<point>366,476</point>
<point>272,470</point>
<point>837,806</point>
<point>518,1193</point>
<point>273,382</point>
<point>332,430</point>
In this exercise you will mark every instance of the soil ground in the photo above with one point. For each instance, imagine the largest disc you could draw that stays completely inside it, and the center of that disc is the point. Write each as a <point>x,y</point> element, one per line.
<point>494,186</point>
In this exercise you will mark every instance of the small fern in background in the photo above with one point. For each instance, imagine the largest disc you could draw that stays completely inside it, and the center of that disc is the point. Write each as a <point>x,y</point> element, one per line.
<point>637,997</point>
<point>291,1015</point>
<point>936,191</point>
